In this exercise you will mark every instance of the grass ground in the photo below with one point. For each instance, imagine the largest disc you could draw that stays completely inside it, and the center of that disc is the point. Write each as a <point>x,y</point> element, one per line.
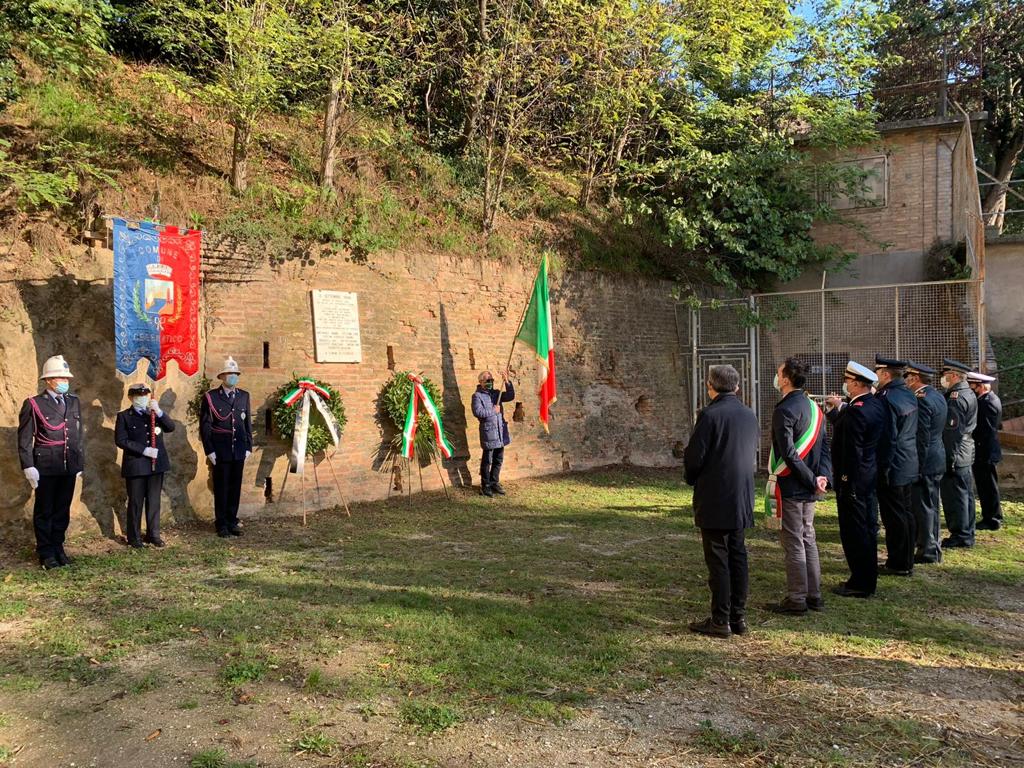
<point>547,628</point>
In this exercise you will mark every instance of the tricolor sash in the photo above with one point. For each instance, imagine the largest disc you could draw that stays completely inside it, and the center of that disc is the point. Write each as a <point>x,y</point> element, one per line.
<point>419,395</point>
<point>777,467</point>
<point>308,391</point>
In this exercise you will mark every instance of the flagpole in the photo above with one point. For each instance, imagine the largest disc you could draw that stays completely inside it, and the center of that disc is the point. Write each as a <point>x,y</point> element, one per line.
<point>515,338</point>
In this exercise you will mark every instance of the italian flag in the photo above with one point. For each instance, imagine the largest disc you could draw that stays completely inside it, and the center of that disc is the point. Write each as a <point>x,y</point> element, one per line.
<point>537,332</point>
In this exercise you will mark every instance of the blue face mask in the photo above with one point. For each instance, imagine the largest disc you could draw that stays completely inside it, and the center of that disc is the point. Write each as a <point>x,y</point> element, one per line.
<point>62,388</point>
<point>231,379</point>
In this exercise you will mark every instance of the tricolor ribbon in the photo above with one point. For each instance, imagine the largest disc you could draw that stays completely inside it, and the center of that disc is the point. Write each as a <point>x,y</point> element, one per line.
<point>419,395</point>
<point>309,392</point>
<point>778,468</point>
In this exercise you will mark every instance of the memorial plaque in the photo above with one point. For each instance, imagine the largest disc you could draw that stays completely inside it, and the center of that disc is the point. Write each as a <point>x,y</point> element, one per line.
<point>336,327</point>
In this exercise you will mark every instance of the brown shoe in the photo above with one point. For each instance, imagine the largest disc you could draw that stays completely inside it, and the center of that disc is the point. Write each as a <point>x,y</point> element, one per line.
<point>710,628</point>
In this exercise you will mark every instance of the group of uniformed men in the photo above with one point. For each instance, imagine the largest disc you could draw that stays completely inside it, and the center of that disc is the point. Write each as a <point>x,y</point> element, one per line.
<point>899,446</point>
<point>51,451</point>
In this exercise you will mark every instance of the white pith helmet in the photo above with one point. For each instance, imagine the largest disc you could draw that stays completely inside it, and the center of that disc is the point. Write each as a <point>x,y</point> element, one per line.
<point>230,366</point>
<point>56,368</point>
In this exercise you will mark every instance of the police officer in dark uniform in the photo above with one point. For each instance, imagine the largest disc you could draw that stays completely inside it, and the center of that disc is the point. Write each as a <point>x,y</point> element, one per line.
<point>987,451</point>
<point>897,466</point>
<point>139,433</point>
<point>856,428</point>
<point>225,426</point>
<point>50,448</point>
<point>961,419</point>
<point>931,459</point>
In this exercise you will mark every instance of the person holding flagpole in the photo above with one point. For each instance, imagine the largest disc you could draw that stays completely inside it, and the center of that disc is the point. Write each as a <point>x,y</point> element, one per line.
<point>494,435</point>
<point>800,467</point>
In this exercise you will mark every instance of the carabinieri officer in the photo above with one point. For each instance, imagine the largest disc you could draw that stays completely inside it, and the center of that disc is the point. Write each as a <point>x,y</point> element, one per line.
<point>957,436</point>
<point>225,426</point>
<point>987,451</point>
<point>139,433</point>
<point>50,447</point>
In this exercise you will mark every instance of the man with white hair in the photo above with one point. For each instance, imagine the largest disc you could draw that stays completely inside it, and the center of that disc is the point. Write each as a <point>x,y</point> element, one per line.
<point>987,451</point>
<point>50,447</point>
<point>225,426</point>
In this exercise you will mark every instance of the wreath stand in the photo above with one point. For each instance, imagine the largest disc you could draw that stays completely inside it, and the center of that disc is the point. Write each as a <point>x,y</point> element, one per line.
<point>316,480</point>
<point>401,465</point>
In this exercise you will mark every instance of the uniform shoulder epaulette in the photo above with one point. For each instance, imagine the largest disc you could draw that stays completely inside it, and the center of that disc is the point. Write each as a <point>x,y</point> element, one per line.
<point>954,395</point>
<point>919,393</point>
<point>859,404</point>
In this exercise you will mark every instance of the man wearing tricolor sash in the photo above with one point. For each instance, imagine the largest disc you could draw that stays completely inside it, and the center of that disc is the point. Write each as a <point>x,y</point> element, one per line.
<point>494,434</point>
<point>800,468</point>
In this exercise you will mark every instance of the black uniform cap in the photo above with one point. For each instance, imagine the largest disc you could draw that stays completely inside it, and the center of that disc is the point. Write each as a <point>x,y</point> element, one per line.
<point>889,362</point>
<point>138,389</point>
<point>913,367</point>
<point>949,364</point>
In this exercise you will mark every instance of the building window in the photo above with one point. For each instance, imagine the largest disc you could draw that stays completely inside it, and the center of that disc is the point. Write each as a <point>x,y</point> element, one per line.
<point>860,183</point>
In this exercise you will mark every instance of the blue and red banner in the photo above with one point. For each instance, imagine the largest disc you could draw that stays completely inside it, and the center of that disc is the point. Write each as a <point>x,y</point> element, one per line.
<point>156,296</point>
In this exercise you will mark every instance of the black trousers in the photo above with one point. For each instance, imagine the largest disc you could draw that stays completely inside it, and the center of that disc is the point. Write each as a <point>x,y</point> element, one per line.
<point>987,481</point>
<point>725,552</point>
<point>490,466</point>
<point>894,504</point>
<point>227,490</point>
<point>858,532</point>
<point>924,498</point>
<point>958,505</point>
<point>143,494</point>
<point>52,513</point>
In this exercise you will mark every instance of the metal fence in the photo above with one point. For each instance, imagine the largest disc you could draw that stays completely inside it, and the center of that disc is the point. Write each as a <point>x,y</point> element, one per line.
<point>923,322</point>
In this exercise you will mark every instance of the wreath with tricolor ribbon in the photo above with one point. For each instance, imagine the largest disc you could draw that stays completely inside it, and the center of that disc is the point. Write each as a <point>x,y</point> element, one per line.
<point>288,401</point>
<point>412,404</point>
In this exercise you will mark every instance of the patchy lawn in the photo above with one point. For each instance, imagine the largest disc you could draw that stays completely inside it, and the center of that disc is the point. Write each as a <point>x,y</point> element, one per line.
<point>547,628</point>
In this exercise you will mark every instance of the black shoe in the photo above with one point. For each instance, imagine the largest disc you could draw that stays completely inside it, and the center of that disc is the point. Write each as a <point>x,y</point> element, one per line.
<point>157,542</point>
<point>922,560</point>
<point>988,525</point>
<point>738,627</point>
<point>496,487</point>
<point>236,531</point>
<point>844,591</point>
<point>136,545</point>
<point>223,534</point>
<point>787,608</point>
<point>955,544</point>
<point>708,627</point>
<point>63,559</point>
<point>50,563</point>
<point>885,570</point>
<point>816,603</point>
<point>486,491</point>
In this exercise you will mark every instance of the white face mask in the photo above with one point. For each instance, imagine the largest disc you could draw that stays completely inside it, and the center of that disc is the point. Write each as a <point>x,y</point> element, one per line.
<point>945,383</point>
<point>775,383</point>
<point>141,402</point>
<point>846,389</point>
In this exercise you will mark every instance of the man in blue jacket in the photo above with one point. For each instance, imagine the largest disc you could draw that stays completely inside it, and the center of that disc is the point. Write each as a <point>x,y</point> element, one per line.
<point>719,463</point>
<point>139,433</point>
<point>931,462</point>
<point>801,469</point>
<point>494,434</point>
<point>987,451</point>
<point>897,466</point>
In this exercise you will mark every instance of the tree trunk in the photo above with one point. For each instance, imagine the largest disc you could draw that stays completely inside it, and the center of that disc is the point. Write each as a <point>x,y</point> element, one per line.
<point>240,156</point>
<point>1008,154</point>
<point>469,125</point>
<point>328,149</point>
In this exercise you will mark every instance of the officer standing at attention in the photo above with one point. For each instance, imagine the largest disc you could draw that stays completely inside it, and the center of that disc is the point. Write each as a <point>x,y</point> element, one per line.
<point>50,448</point>
<point>961,418</point>
<point>931,459</point>
<point>897,466</point>
<point>987,451</point>
<point>856,427</point>
<point>225,426</point>
<point>139,433</point>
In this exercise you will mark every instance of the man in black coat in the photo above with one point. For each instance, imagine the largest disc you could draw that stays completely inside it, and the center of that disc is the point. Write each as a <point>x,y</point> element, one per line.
<point>139,433</point>
<point>957,437</point>
<point>856,427</point>
<point>987,451</point>
<point>50,449</point>
<point>931,461</point>
<point>898,466</point>
<point>800,468</point>
<point>225,426</point>
<point>719,463</point>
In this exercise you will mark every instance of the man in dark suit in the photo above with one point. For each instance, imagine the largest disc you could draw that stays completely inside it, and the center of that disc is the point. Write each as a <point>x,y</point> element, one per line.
<point>225,426</point>
<point>50,448</point>
<point>719,462</point>
<point>931,461</point>
<point>897,466</point>
<point>856,427</point>
<point>987,451</point>
<point>957,437</point>
<point>139,433</point>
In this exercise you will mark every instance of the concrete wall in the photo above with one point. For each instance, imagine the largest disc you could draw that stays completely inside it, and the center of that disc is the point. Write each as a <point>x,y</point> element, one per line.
<point>622,395</point>
<point>1004,286</point>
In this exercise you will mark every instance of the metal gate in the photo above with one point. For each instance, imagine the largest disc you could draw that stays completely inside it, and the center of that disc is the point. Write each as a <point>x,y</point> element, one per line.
<point>923,322</point>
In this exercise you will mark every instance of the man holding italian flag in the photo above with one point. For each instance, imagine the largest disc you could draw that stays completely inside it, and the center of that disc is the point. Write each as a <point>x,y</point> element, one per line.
<point>537,332</point>
<point>800,469</point>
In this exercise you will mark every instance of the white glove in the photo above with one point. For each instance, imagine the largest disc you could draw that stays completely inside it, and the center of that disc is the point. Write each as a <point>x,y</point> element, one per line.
<point>32,475</point>
<point>150,453</point>
<point>248,454</point>
<point>213,458</point>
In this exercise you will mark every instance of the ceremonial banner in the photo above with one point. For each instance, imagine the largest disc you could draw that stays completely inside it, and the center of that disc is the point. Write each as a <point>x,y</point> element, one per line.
<point>537,331</point>
<point>156,297</point>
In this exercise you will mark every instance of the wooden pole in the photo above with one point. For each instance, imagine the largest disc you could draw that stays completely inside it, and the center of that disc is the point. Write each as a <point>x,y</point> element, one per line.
<point>408,472</point>
<point>302,494</point>
<point>338,484</point>
<point>284,483</point>
<point>508,365</point>
<point>316,479</point>
<point>419,467</point>
<point>440,474</point>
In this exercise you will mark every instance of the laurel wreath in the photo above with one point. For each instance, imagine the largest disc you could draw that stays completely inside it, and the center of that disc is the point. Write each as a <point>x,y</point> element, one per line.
<point>284,415</point>
<point>394,404</point>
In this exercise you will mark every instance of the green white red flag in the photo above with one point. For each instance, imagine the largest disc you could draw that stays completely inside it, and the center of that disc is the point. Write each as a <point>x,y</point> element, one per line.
<point>419,395</point>
<point>537,332</point>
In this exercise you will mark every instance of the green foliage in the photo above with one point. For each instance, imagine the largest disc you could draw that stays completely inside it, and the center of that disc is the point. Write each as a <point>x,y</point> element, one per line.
<point>244,669</point>
<point>1010,352</point>
<point>428,717</point>
<point>284,416</point>
<point>215,757</point>
<point>195,404</point>
<point>719,742</point>
<point>393,403</point>
<point>315,743</point>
